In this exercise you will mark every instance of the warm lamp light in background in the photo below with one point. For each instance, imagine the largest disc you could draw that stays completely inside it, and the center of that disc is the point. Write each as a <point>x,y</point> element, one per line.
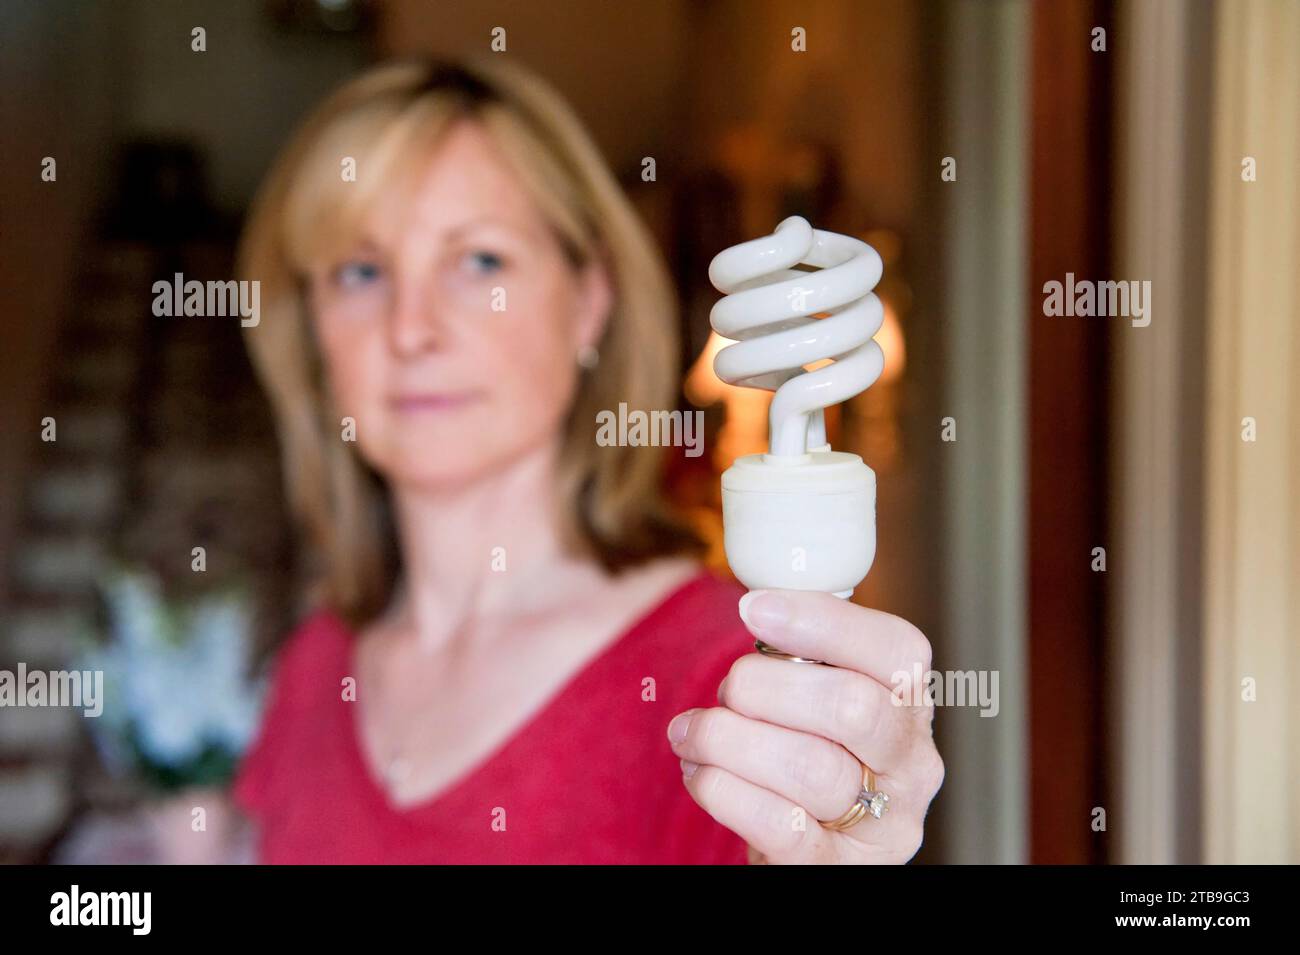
<point>890,339</point>
<point>895,295</point>
<point>744,426</point>
<point>872,422</point>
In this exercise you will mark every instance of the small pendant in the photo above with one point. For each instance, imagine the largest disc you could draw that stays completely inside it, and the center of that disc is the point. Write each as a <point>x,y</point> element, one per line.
<point>397,770</point>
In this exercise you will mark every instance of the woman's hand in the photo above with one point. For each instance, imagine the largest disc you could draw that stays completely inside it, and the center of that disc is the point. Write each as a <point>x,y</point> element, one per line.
<point>787,745</point>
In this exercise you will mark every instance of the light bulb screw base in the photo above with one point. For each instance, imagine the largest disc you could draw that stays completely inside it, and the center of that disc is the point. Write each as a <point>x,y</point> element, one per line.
<point>800,525</point>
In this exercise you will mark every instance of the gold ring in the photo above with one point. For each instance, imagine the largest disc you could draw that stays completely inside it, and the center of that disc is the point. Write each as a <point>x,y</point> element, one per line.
<point>764,649</point>
<point>870,801</point>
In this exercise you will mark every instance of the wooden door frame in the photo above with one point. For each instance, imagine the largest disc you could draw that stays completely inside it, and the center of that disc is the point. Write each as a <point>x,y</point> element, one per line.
<point>1069,226</point>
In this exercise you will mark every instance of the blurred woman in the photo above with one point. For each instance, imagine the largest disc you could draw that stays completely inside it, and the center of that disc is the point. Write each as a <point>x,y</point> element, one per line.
<point>511,652</point>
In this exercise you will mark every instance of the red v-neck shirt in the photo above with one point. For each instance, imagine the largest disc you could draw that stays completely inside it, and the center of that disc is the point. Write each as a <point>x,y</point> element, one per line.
<point>589,778</point>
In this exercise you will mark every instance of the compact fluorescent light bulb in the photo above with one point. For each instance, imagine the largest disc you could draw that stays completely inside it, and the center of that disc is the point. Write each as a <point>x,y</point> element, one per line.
<point>801,516</point>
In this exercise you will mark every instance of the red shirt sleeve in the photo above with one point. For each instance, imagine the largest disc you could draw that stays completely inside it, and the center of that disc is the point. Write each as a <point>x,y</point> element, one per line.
<point>704,840</point>
<point>257,769</point>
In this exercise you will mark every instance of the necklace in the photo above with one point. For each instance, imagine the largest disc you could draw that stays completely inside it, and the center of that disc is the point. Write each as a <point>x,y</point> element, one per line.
<point>396,770</point>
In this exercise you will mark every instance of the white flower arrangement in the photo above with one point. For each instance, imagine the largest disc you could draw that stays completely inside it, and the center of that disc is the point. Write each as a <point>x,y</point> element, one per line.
<point>180,707</point>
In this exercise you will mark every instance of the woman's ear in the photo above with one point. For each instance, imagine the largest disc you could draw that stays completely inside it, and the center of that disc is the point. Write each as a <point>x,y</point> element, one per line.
<point>596,300</point>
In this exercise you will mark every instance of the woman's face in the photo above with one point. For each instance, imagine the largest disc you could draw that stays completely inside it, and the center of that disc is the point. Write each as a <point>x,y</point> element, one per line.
<point>452,343</point>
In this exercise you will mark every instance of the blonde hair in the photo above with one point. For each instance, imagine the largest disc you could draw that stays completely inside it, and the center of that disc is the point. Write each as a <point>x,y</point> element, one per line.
<point>387,120</point>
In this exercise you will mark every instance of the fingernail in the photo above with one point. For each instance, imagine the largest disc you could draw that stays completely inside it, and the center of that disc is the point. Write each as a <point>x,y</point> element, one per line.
<point>762,608</point>
<point>677,728</point>
<point>689,768</point>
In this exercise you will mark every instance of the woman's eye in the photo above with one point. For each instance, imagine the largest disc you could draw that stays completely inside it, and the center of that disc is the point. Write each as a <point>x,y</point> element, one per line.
<point>355,274</point>
<point>484,263</point>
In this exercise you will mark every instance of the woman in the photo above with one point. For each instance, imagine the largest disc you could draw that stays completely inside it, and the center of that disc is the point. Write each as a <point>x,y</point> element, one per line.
<point>508,622</point>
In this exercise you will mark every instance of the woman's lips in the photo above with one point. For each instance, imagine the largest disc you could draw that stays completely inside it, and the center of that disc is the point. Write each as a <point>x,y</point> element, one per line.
<point>443,401</point>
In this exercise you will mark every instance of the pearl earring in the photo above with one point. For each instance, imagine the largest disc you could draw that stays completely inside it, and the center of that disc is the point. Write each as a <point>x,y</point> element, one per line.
<point>588,357</point>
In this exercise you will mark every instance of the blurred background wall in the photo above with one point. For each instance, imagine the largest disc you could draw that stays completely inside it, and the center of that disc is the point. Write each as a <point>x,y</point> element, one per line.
<point>983,148</point>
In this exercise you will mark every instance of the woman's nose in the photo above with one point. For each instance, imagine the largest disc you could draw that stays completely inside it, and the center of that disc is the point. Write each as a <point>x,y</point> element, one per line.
<point>415,323</point>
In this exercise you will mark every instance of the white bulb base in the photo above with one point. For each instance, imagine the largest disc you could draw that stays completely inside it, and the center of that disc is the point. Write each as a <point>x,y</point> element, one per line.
<point>807,522</point>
